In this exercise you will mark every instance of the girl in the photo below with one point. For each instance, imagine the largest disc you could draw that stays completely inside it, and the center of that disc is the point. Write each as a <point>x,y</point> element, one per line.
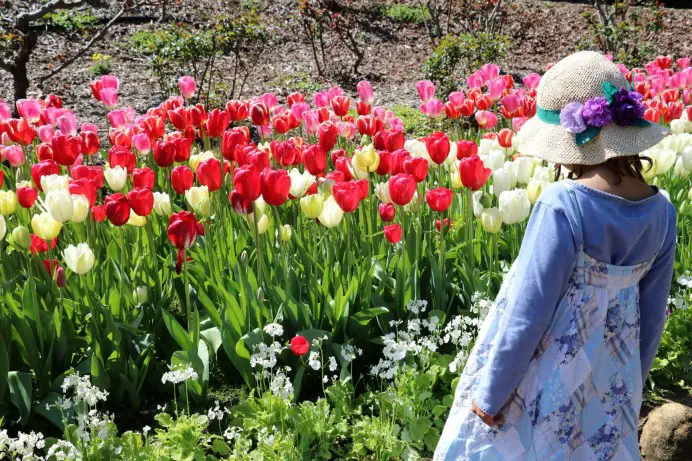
<point>558,367</point>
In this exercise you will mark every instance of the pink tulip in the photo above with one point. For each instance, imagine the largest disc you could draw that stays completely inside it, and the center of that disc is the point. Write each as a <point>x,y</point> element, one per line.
<point>518,122</point>
<point>639,77</point>
<point>426,90</point>
<point>46,133</point>
<point>511,102</point>
<point>609,57</point>
<point>5,111</point>
<point>321,99</point>
<point>347,129</point>
<point>51,114</point>
<point>298,110</point>
<point>687,97</point>
<point>14,155</point>
<point>269,100</point>
<point>683,63</point>
<point>677,81</point>
<point>120,118</point>
<point>490,71</point>
<point>396,124</point>
<point>496,87</point>
<point>475,80</point>
<point>658,85</point>
<point>365,92</point>
<point>531,81</point>
<point>30,109</point>
<point>334,91</point>
<point>109,97</point>
<point>312,121</point>
<point>89,127</point>
<point>456,99</point>
<point>188,86</point>
<point>67,123</point>
<point>486,119</point>
<point>142,143</point>
<point>433,108</point>
<point>265,131</point>
<point>623,68</point>
<point>110,81</point>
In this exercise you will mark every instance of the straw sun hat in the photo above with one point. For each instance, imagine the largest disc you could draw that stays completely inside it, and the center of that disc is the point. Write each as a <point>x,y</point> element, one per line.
<point>586,114</point>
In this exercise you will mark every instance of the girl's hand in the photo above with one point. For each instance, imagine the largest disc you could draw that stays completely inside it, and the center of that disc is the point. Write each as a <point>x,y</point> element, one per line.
<point>490,420</point>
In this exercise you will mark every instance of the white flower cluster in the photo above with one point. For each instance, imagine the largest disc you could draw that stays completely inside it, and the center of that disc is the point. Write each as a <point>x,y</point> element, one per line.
<point>23,447</point>
<point>274,329</point>
<point>217,413</point>
<point>349,352</point>
<point>480,306</point>
<point>179,374</point>
<point>266,437</point>
<point>673,152</point>
<point>233,433</point>
<point>62,450</point>
<point>265,355</point>
<point>685,280</point>
<point>417,306</point>
<point>84,391</point>
<point>94,424</point>
<point>281,385</point>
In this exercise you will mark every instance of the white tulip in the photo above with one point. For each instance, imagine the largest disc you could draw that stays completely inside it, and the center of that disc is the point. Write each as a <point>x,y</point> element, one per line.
<point>162,204</point>
<point>417,149</point>
<point>686,156</point>
<point>452,156</point>
<point>136,220</point>
<point>665,194</point>
<point>514,206</point>
<point>80,259</point>
<point>679,169</point>
<point>80,208</point>
<point>60,205</point>
<point>491,220</point>
<point>501,182</point>
<point>8,202</point>
<point>52,182</point>
<point>141,294</point>
<point>496,160</point>
<point>312,205</point>
<point>331,214</point>
<point>300,182</point>
<point>534,189</point>
<point>116,177</point>
<point>541,173</point>
<point>414,205</point>
<point>511,168</point>
<point>198,198</point>
<point>486,145</point>
<point>477,205</point>
<point>45,226</point>
<point>524,167</point>
<point>3,227</point>
<point>678,126</point>
<point>382,192</point>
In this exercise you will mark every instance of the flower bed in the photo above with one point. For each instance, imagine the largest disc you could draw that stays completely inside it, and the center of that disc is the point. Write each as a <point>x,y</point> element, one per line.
<point>307,251</point>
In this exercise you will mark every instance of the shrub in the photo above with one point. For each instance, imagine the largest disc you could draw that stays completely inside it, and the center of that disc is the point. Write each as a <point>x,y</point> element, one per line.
<point>623,30</point>
<point>101,65</point>
<point>68,21</point>
<point>457,56</point>
<point>404,13</point>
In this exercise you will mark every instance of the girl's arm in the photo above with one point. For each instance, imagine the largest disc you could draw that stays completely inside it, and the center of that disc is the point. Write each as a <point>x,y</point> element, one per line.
<point>542,273</point>
<point>654,289</point>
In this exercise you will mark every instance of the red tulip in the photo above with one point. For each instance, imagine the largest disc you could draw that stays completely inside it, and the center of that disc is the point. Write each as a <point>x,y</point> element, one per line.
<point>259,113</point>
<point>299,345</point>
<point>364,186</point>
<point>347,195</point>
<point>378,141</point>
<point>285,153</point>
<point>473,172</point>
<point>180,118</point>
<point>340,105</point>
<point>439,199</point>
<point>466,149</point>
<point>98,212</point>
<point>43,168</point>
<point>164,153</point>
<point>483,102</point>
<point>282,122</point>
<point>182,178</point>
<point>90,142</point>
<point>237,110</point>
<point>366,125</point>
<point>438,147</point>
<point>452,111</point>
<point>402,187</point>
<point>394,140</point>
<point>387,212</point>
<point>85,187</point>
<point>363,108</point>
<point>26,196</point>
<point>182,229</point>
<point>209,174</point>
<point>92,173</point>
<point>155,127</point>
<point>38,245</point>
<point>44,152</point>
<point>343,165</point>
<point>231,139</point>
<point>259,158</point>
<point>66,149</point>
<point>275,185</point>
<point>239,203</point>
<point>398,159</point>
<point>314,159</point>
<point>417,167</point>
<point>504,138</point>
<point>20,130</point>
<point>327,134</point>
<point>198,115</point>
<point>117,209</point>
<point>385,165</point>
<point>336,177</point>
<point>294,98</point>
<point>448,223</point>
<point>467,108</point>
<point>393,233</point>
<point>141,200</point>
<point>217,122</point>
<point>123,157</point>
<point>144,177</point>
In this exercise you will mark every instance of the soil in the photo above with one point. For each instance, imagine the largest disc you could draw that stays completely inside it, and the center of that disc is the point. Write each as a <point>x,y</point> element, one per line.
<point>541,32</point>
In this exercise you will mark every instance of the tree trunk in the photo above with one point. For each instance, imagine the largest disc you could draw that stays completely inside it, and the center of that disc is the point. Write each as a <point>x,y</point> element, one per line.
<point>20,67</point>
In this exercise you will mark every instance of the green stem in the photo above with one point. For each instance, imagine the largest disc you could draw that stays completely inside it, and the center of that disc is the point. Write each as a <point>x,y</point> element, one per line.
<point>188,307</point>
<point>121,306</point>
<point>32,283</point>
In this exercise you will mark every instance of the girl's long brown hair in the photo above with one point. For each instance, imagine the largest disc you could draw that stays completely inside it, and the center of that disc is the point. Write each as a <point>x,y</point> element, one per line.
<point>632,165</point>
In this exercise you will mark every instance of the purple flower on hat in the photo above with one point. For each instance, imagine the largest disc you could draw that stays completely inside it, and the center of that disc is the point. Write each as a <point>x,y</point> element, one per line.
<point>571,118</point>
<point>596,112</point>
<point>627,107</point>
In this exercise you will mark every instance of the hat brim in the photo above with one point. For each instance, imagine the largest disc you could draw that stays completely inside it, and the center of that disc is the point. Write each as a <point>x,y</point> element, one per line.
<point>557,145</point>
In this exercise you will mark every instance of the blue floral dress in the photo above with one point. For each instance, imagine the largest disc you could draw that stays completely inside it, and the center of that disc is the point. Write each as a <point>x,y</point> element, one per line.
<point>580,396</point>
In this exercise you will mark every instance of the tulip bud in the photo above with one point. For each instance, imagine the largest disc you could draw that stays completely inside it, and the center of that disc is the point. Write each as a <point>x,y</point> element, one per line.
<point>8,202</point>
<point>534,189</point>
<point>162,204</point>
<point>491,220</point>
<point>116,177</point>
<point>243,257</point>
<point>3,227</point>
<point>21,237</point>
<point>312,205</point>
<point>260,295</point>
<point>141,294</point>
<point>60,279</point>
<point>285,233</point>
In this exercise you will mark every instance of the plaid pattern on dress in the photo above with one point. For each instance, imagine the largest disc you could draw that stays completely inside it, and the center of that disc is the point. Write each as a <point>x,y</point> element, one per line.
<point>582,391</point>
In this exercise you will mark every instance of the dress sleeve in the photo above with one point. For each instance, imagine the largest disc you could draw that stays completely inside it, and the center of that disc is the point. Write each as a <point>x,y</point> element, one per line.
<point>543,269</point>
<point>654,289</point>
